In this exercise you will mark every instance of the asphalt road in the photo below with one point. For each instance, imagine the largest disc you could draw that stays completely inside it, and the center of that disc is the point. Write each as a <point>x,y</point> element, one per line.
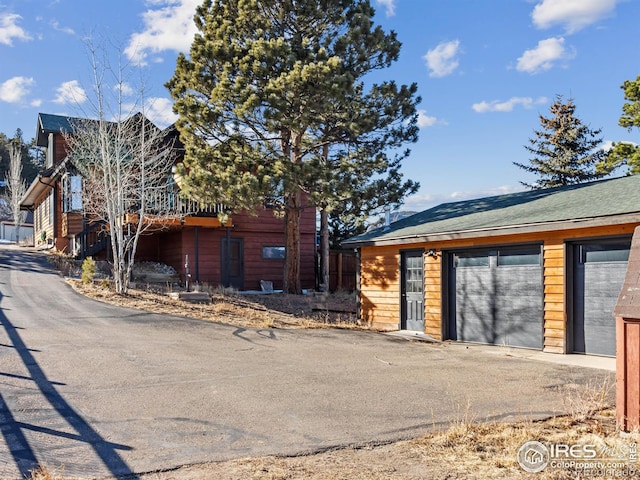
<point>97,391</point>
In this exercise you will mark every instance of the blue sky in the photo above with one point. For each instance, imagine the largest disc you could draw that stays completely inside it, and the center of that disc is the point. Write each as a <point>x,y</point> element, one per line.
<point>485,70</point>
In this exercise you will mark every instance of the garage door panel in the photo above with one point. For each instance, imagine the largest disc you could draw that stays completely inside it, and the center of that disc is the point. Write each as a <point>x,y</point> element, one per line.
<point>526,337</point>
<point>599,271</point>
<point>476,330</point>
<point>602,286</point>
<point>473,281</point>
<point>499,304</point>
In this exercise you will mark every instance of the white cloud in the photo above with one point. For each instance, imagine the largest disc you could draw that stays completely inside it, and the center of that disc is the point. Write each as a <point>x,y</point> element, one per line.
<point>9,29</point>
<point>15,89</point>
<point>158,110</point>
<point>389,5</point>
<point>507,106</point>
<point>425,120</point>
<point>169,26</point>
<point>70,92</point>
<point>490,192</point>
<point>573,14</point>
<point>442,60</point>
<point>423,201</point>
<point>544,55</point>
<point>124,88</point>
<point>56,26</point>
<point>608,144</point>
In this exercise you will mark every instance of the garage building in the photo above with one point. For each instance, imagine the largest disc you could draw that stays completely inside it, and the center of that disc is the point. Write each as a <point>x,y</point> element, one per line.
<point>539,269</point>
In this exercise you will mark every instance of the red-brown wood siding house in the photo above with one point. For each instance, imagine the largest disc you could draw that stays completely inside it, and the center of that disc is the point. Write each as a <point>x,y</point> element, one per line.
<point>246,249</point>
<point>540,269</point>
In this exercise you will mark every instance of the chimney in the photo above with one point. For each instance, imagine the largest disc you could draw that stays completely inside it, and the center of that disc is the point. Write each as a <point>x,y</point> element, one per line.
<point>387,218</point>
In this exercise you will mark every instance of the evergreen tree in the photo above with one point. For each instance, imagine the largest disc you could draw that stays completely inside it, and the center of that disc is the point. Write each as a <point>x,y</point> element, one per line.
<point>565,151</point>
<point>272,107</point>
<point>626,153</point>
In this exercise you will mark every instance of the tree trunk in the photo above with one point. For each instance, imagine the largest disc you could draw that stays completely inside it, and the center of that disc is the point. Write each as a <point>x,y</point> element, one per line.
<point>293,205</point>
<point>324,250</point>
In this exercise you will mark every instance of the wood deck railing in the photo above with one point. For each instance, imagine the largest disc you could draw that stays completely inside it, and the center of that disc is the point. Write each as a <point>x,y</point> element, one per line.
<point>170,202</point>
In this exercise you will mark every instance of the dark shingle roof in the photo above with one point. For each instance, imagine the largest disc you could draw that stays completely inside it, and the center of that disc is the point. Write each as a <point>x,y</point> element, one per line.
<point>535,209</point>
<point>48,123</point>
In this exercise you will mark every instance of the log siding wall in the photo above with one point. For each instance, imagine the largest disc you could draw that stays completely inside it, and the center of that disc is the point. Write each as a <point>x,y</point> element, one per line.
<point>433,296</point>
<point>380,279</point>
<point>555,317</point>
<point>380,287</point>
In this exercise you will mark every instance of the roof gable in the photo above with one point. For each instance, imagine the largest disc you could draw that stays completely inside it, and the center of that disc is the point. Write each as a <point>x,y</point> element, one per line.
<point>48,123</point>
<point>58,124</point>
<point>603,198</point>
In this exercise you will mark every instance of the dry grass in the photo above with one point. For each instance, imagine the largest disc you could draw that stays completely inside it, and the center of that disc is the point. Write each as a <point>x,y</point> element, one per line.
<point>582,401</point>
<point>44,473</point>
<point>462,451</point>
<point>251,311</point>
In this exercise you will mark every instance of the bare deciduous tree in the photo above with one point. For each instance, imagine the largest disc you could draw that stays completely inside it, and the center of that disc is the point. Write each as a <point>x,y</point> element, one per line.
<point>125,162</point>
<point>16,186</point>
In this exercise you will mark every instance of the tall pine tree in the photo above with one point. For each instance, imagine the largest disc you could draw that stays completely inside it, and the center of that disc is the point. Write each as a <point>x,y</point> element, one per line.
<point>626,153</point>
<point>273,107</point>
<point>565,151</point>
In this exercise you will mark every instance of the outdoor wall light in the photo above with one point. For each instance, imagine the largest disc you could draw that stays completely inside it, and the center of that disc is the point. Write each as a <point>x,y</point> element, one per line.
<point>432,253</point>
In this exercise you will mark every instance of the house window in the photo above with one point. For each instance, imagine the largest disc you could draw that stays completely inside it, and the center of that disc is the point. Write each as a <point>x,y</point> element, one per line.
<point>49,160</point>
<point>71,193</point>
<point>271,253</point>
<point>48,207</point>
<point>36,219</point>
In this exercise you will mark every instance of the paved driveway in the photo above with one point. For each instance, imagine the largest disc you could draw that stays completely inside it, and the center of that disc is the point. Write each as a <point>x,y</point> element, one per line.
<point>102,391</point>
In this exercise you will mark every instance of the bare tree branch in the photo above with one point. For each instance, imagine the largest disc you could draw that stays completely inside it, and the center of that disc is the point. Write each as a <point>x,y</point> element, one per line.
<point>16,186</point>
<point>125,162</point>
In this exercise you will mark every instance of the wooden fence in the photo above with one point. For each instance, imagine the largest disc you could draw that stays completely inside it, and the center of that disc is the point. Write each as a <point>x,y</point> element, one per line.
<point>343,267</point>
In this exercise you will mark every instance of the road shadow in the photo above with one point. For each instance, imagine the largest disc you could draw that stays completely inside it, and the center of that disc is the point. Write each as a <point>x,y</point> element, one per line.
<point>75,431</point>
<point>26,260</point>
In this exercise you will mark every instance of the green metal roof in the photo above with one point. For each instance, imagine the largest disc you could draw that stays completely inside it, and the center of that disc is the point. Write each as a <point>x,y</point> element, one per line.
<point>534,209</point>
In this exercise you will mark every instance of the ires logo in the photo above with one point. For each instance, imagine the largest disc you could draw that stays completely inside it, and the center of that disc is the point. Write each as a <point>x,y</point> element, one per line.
<point>534,456</point>
<point>561,450</point>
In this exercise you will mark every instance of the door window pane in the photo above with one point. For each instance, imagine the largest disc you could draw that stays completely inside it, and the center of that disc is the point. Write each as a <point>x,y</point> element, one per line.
<point>605,253</point>
<point>479,259</point>
<point>519,256</point>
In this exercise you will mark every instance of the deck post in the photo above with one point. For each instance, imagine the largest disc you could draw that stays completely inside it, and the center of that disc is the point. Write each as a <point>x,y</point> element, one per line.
<point>627,313</point>
<point>628,373</point>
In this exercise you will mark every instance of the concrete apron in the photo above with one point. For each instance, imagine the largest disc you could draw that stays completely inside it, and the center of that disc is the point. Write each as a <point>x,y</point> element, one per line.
<point>575,360</point>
